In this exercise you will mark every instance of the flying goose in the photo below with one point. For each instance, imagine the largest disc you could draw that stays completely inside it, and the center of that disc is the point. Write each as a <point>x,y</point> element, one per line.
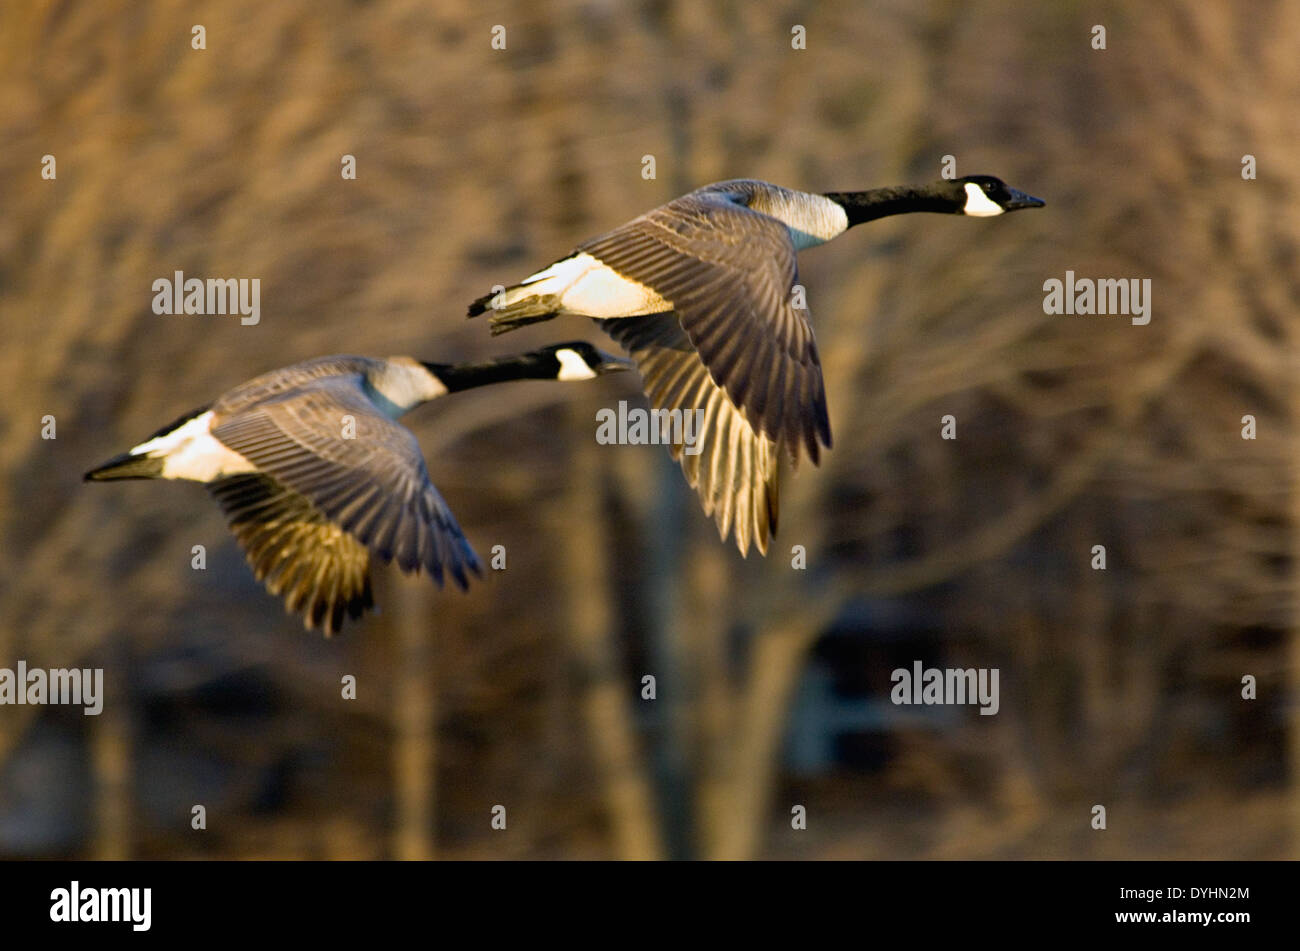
<point>316,477</point>
<point>700,292</point>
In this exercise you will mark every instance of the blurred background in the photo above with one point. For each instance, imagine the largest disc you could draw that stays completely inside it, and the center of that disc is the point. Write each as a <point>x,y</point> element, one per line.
<point>476,166</point>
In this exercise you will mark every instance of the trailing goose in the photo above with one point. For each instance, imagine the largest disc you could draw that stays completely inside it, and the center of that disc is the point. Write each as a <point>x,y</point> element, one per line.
<point>701,292</point>
<point>316,477</point>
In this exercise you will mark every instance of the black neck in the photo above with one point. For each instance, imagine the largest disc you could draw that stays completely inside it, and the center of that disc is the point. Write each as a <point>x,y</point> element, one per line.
<point>466,376</point>
<point>897,200</point>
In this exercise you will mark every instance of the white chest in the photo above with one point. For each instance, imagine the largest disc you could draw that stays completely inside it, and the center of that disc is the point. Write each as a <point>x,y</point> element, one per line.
<point>812,219</point>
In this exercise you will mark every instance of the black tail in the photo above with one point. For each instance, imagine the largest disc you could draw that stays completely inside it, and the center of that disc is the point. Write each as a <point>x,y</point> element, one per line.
<point>515,307</point>
<point>127,466</point>
<point>481,306</point>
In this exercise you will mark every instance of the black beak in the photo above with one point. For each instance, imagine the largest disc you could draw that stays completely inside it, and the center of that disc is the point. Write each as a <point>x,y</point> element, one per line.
<point>1021,200</point>
<point>610,363</point>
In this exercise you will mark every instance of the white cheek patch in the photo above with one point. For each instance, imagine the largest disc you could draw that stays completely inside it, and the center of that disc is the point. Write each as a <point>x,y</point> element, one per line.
<point>573,367</point>
<point>978,204</point>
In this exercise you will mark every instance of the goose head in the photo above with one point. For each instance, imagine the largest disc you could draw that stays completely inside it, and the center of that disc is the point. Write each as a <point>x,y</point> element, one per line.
<point>578,360</point>
<point>983,196</point>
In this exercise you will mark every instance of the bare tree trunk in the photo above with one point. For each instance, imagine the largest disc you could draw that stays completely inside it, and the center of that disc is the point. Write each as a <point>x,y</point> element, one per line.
<point>777,663</point>
<point>414,712</point>
<point>714,698</point>
<point>606,692</point>
<point>111,759</point>
<point>1293,648</point>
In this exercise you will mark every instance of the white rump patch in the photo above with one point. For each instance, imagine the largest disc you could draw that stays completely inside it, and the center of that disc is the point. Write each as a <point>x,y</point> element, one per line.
<point>191,452</point>
<point>572,366</point>
<point>978,204</point>
<point>161,445</point>
<point>588,287</point>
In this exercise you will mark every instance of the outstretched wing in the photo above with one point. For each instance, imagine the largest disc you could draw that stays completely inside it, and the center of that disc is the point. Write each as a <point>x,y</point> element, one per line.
<point>328,443</point>
<point>295,550</point>
<point>729,273</point>
<point>735,471</point>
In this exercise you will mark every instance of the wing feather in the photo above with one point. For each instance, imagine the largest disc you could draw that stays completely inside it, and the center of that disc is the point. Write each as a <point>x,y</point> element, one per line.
<point>729,272</point>
<point>296,550</point>
<point>326,442</point>
<point>736,471</point>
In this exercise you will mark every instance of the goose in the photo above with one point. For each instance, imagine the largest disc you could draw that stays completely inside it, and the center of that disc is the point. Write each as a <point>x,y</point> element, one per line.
<point>700,292</point>
<point>316,477</point>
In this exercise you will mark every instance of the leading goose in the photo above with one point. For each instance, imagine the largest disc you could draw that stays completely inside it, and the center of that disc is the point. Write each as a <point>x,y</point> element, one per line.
<point>316,477</point>
<point>700,292</point>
